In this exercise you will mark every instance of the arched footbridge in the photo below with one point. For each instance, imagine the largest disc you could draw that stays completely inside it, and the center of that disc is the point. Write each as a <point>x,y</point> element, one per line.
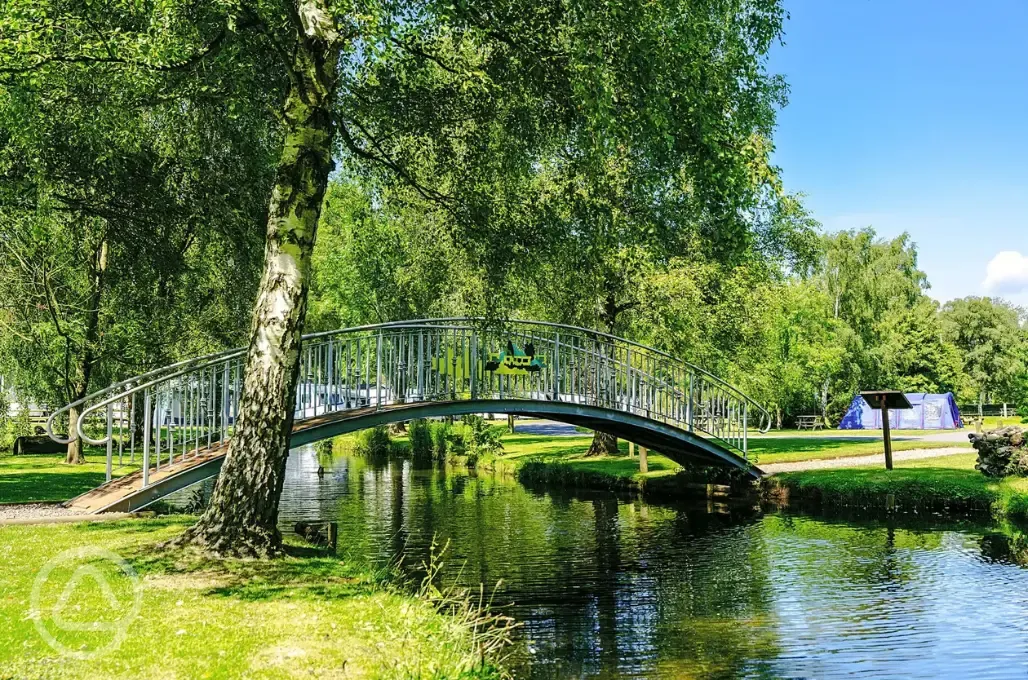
<point>174,423</point>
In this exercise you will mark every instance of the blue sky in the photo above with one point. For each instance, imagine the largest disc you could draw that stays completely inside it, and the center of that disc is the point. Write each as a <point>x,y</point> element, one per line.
<point>912,115</point>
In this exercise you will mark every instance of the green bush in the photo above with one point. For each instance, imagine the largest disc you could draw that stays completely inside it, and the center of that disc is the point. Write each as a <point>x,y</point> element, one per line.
<point>480,439</point>
<point>374,442</point>
<point>441,434</point>
<point>421,445</point>
<point>12,427</point>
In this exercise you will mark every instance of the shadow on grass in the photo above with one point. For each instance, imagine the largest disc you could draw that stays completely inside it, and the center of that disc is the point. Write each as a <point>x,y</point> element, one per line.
<point>805,444</point>
<point>29,487</point>
<point>621,467</point>
<point>533,440</point>
<point>302,572</point>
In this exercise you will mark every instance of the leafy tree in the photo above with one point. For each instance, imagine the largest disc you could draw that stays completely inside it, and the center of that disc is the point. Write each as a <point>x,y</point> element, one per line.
<point>461,102</point>
<point>113,218</point>
<point>385,260</point>
<point>914,356</point>
<point>807,352</point>
<point>989,336</point>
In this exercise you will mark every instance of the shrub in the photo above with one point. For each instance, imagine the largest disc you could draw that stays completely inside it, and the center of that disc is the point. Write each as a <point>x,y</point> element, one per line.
<point>421,444</point>
<point>479,438</point>
<point>12,427</point>
<point>441,434</point>
<point>374,442</point>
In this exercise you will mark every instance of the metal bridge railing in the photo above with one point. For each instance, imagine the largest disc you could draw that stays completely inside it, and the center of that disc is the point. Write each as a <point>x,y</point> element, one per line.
<point>178,411</point>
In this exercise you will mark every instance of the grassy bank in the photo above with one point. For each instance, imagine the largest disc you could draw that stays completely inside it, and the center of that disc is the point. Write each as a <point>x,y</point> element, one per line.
<point>306,615</point>
<point>944,483</point>
<point>792,449</point>
<point>46,478</point>
<point>563,461</point>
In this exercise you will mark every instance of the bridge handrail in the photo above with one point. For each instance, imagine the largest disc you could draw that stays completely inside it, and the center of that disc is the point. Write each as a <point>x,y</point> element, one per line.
<point>444,322</point>
<point>199,361</point>
<point>720,409</point>
<point>580,329</point>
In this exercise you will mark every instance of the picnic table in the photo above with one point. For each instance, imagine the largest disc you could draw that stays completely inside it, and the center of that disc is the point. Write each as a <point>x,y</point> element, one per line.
<point>809,422</point>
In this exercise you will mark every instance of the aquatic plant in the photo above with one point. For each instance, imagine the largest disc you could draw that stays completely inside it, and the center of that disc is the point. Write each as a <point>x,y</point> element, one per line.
<point>421,445</point>
<point>373,442</point>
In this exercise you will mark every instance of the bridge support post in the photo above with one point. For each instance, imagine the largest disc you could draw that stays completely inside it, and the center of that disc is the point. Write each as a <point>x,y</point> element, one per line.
<point>224,401</point>
<point>556,368</point>
<point>472,366</point>
<point>378,374</point>
<point>745,432</point>
<point>110,440</point>
<point>147,429</point>
<point>421,366</point>
<point>689,404</point>
<point>644,465</point>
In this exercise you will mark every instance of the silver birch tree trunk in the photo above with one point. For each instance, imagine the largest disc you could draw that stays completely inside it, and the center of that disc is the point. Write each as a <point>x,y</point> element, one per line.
<point>243,513</point>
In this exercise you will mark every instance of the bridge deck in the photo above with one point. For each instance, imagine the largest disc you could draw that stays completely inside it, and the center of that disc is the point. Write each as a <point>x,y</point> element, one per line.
<point>127,493</point>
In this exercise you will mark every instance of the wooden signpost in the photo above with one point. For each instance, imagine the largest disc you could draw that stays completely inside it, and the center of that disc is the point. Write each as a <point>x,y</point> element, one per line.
<point>885,400</point>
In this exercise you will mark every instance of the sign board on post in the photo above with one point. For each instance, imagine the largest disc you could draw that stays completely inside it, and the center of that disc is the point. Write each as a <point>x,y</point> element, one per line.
<point>885,400</point>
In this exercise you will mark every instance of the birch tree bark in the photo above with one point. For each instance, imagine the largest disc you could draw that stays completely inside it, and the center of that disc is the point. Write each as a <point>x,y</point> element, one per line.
<point>243,513</point>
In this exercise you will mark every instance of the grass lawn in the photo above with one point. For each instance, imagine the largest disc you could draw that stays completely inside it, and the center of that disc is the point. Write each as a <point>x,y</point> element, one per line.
<point>519,449</point>
<point>926,483</point>
<point>856,434</point>
<point>45,477</point>
<point>310,614</point>
<point>791,449</point>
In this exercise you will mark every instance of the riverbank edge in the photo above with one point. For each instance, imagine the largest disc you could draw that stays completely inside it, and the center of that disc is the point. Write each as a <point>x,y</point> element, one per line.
<point>917,491</point>
<point>538,474</point>
<point>818,488</point>
<point>940,490</point>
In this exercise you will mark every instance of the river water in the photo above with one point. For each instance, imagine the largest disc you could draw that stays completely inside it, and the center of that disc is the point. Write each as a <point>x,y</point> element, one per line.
<point>608,587</point>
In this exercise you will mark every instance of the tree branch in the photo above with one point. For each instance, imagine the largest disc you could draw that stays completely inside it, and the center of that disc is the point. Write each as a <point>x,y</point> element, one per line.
<point>425,55</point>
<point>42,60</point>
<point>382,158</point>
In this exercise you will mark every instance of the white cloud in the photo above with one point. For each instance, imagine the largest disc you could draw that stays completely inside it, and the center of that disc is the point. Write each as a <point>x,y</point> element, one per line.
<point>1007,273</point>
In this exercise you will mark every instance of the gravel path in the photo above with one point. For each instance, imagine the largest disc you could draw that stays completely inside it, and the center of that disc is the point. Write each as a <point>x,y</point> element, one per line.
<point>857,461</point>
<point>31,511</point>
<point>547,428</point>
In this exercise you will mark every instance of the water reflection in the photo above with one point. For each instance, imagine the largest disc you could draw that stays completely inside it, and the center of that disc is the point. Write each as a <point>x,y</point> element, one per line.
<point>616,588</point>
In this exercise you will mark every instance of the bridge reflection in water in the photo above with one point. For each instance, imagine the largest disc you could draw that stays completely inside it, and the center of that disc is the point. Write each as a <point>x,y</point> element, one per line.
<point>176,421</point>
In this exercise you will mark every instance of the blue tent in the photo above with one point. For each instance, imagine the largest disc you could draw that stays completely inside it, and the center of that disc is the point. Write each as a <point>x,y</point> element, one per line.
<point>930,412</point>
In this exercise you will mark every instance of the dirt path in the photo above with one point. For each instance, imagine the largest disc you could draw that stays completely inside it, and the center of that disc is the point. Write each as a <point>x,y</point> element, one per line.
<point>859,461</point>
